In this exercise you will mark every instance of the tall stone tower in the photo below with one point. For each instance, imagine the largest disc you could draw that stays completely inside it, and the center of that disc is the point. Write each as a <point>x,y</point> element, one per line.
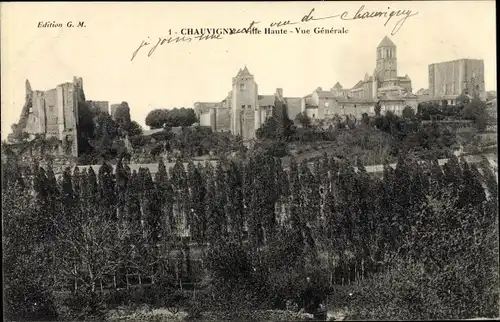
<point>387,60</point>
<point>54,113</point>
<point>244,104</point>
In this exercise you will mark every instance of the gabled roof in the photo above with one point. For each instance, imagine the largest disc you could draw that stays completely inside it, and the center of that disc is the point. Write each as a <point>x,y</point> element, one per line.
<point>423,91</point>
<point>358,85</point>
<point>245,72</point>
<point>337,86</point>
<point>386,42</point>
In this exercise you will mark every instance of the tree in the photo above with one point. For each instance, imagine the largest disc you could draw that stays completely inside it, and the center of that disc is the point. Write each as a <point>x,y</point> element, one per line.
<point>27,268</point>
<point>86,127</point>
<point>285,128</point>
<point>463,99</point>
<point>365,119</point>
<point>122,116</point>
<point>134,129</point>
<point>278,126</point>
<point>408,112</point>
<point>196,208</point>
<point>303,119</point>
<point>90,249</point>
<point>159,118</point>
<point>377,108</point>
<point>351,122</point>
<point>475,110</point>
<point>182,117</point>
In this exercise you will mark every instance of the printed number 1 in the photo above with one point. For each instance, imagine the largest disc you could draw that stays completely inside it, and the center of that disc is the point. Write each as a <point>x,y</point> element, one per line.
<point>170,32</point>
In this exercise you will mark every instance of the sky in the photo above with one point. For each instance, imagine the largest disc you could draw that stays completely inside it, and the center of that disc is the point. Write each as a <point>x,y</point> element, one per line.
<point>179,74</point>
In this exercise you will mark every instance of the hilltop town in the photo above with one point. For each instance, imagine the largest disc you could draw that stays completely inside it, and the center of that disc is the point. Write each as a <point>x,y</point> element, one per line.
<point>368,202</point>
<point>68,122</point>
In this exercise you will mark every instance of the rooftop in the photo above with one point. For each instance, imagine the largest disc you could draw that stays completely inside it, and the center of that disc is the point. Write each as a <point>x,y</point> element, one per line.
<point>337,86</point>
<point>386,42</point>
<point>243,72</point>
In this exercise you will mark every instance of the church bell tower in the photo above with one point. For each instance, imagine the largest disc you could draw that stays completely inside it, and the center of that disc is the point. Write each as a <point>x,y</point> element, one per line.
<point>387,60</point>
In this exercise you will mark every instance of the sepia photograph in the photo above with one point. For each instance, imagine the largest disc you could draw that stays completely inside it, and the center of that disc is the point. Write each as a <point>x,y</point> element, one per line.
<point>249,161</point>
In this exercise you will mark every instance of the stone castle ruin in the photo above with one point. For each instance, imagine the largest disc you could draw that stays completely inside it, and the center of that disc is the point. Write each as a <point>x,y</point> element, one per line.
<point>52,114</point>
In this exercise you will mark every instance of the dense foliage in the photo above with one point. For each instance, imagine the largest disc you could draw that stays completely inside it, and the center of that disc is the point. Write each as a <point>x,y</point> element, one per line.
<point>466,109</point>
<point>159,118</point>
<point>278,127</point>
<point>187,143</point>
<point>418,243</point>
<point>372,140</point>
<point>102,137</point>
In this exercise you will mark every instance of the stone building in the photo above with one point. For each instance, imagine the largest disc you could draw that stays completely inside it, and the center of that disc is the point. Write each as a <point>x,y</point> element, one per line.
<point>54,113</point>
<point>452,78</point>
<point>385,79</point>
<point>112,110</point>
<point>338,90</point>
<point>318,105</point>
<point>384,86</point>
<point>243,111</point>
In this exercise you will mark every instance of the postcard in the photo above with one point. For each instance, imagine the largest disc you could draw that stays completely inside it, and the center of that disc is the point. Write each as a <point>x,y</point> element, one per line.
<point>277,161</point>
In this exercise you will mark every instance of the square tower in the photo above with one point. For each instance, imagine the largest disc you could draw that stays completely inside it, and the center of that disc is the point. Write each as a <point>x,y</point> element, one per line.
<point>244,103</point>
<point>387,60</point>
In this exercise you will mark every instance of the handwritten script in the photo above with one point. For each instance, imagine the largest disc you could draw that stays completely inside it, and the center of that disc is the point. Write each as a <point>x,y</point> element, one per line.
<point>399,18</point>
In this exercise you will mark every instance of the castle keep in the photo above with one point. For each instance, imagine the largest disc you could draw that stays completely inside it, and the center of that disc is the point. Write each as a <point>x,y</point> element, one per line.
<point>53,112</point>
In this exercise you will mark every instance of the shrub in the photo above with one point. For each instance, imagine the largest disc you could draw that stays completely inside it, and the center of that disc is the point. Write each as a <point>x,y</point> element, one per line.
<point>27,301</point>
<point>83,305</point>
<point>401,293</point>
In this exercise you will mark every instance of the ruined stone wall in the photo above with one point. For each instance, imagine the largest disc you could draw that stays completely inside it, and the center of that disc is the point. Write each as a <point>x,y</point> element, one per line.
<point>112,110</point>
<point>53,112</point>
